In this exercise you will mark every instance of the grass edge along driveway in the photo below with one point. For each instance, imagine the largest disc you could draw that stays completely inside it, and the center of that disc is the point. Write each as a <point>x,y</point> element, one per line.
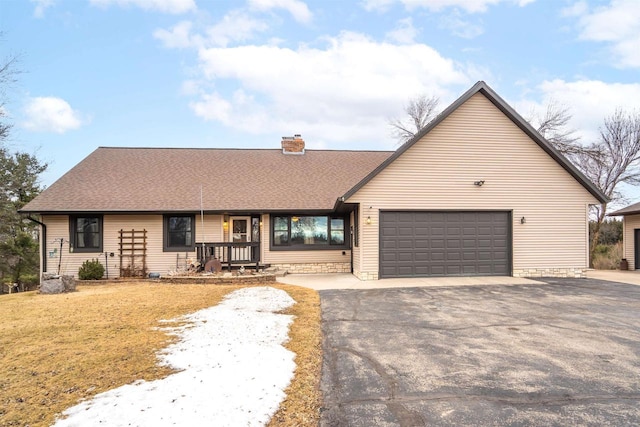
<point>56,350</point>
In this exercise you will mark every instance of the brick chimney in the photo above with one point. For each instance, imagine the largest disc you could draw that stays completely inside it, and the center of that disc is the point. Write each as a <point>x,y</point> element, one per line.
<point>292,144</point>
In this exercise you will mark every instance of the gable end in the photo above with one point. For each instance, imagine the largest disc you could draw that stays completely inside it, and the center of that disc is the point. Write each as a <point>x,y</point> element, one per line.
<point>495,99</point>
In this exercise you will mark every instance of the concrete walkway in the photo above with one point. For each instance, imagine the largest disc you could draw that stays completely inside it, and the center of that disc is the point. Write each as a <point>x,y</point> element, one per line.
<point>321,282</point>
<point>630,277</point>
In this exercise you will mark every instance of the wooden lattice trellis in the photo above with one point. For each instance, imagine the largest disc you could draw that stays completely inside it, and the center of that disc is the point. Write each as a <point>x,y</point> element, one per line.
<point>133,253</point>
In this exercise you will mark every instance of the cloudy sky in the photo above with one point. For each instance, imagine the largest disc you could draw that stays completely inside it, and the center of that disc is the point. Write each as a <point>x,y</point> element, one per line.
<point>203,73</point>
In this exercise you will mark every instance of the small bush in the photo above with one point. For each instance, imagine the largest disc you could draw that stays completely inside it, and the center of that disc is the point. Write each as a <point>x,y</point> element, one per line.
<point>30,279</point>
<point>91,270</point>
<point>607,257</point>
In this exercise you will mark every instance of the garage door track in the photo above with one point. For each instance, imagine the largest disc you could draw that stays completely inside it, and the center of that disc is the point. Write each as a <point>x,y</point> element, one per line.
<point>562,353</point>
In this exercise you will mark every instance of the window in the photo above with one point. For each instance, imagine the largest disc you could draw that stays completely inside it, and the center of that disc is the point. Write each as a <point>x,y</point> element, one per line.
<point>179,232</point>
<point>337,231</point>
<point>280,230</point>
<point>85,233</point>
<point>308,232</point>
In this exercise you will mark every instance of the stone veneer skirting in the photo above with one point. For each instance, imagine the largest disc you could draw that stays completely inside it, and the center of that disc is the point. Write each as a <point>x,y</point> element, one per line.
<point>315,267</point>
<point>219,280</point>
<point>365,275</point>
<point>577,273</point>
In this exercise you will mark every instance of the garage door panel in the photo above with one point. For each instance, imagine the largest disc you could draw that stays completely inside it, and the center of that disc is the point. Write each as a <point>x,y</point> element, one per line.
<point>421,243</point>
<point>469,256</point>
<point>454,270</point>
<point>469,243</point>
<point>406,231</point>
<point>388,244</point>
<point>484,231</point>
<point>469,270</point>
<point>437,244</point>
<point>500,256</point>
<point>445,243</point>
<point>437,232</point>
<point>421,256</point>
<point>454,256</point>
<point>405,217</point>
<point>453,244</point>
<point>405,271</point>
<point>437,270</point>
<point>405,257</point>
<point>421,271</point>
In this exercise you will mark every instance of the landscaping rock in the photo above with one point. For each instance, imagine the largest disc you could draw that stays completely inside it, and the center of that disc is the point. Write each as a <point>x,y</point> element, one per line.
<point>53,284</point>
<point>69,283</point>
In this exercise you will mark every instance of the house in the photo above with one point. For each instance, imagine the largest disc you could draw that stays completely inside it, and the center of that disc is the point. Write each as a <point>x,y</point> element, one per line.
<point>630,234</point>
<point>477,192</point>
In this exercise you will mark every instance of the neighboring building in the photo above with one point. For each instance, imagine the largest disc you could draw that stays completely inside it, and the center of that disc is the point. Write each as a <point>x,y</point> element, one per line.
<point>477,192</point>
<point>630,234</point>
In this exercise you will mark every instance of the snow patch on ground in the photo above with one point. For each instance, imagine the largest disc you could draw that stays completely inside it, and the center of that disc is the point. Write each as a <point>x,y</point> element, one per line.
<point>234,370</point>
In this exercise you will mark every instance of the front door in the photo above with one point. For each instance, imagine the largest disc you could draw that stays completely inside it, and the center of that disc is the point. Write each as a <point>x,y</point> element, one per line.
<point>240,233</point>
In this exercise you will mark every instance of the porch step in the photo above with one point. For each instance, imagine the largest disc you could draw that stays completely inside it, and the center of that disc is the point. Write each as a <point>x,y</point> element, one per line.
<point>276,271</point>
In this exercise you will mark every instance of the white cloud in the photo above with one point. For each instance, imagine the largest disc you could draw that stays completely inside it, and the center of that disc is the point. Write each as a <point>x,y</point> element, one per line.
<point>235,26</point>
<point>590,101</point>
<point>41,6</point>
<point>179,36</point>
<point>459,27</point>
<point>164,6</point>
<point>577,9</point>
<point>296,8</point>
<point>316,89</point>
<point>404,33</point>
<point>50,114</point>
<point>470,6</point>
<point>617,24</point>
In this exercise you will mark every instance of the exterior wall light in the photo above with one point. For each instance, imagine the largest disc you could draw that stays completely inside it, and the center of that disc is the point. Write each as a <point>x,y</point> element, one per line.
<point>479,183</point>
<point>369,220</point>
<point>523,220</point>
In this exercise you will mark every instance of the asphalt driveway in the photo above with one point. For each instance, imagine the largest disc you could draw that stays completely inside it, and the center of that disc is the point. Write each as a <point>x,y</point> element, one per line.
<point>562,353</point>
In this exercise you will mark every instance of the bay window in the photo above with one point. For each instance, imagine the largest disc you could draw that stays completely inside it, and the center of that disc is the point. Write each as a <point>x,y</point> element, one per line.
<point>308,232</point>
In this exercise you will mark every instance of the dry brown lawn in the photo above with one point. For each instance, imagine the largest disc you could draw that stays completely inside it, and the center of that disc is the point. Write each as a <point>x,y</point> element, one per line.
<point>56,350</point>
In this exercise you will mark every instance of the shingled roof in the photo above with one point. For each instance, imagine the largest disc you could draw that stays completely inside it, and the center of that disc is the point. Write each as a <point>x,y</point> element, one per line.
<point>169,180</point>
<point>629,210</point>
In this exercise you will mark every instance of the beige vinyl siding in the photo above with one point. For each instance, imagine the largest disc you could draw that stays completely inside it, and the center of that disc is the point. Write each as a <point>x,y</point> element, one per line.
<point>58,228</point>
<point>478,142</point>
<point>631,222</point>
<point>157,260</point>
<point>298,257</point>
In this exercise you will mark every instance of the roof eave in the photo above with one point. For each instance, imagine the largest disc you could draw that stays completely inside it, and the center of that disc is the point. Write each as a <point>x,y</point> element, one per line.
<point>621,212</point>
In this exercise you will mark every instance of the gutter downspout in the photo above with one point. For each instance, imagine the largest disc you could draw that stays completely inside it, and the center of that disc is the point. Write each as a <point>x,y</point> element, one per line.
<point>43,243</point>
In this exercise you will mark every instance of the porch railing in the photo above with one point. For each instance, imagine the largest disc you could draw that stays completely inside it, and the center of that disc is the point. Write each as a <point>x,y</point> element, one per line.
<point>229,253</point>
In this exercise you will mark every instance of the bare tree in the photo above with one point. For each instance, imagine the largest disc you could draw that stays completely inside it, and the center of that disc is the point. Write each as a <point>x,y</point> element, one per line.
<point>612,160</point>
<point>19,173</point>
<point>420,111</point>
<point>553,125</point>
<point>8,72</point>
